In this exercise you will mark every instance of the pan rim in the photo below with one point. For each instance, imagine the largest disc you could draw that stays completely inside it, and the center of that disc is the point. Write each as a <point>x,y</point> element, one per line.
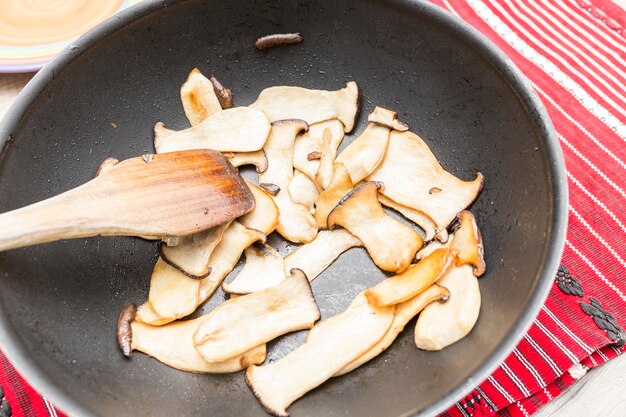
<point>44,383</point>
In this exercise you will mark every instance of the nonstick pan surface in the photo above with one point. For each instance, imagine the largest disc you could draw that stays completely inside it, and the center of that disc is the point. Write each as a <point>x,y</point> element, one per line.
<point>102,97</point>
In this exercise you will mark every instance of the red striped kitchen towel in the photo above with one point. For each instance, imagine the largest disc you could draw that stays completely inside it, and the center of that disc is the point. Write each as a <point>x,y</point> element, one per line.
<point>574,53</point>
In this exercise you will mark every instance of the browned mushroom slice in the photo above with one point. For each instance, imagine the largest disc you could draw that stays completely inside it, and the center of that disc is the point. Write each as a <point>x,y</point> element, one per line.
<point>106,165</point>
<point>256,158</point>
<point>413,281</point>
<point>198,97</point>
<point>124,329</point>
<point>324,173</point>
<point>415,216</point>
<point>312,106</point>
<point>172,294</point>
<point>295,222</point>
<point>313,258</point>
<point>264,216</point>
<point>363,155</point>
<point>277,39</point>
<point>192,253</point>
<point>309,144</point>
<point>242,323</point>
<point>414,178</point>
<point>390,243</point>
<point>404,313</point>
<point>386,117</point>
<point>441,325</point>
<point>224,95</point>
<point>264,268</point>
<point>240,129</point>
<point>340,185</point>
<point>333,344</point>
<point>172,345</point>
<point>303,190</point>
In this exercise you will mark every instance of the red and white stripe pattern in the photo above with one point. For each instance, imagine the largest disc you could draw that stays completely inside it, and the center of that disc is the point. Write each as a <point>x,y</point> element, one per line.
<point>574,54</point>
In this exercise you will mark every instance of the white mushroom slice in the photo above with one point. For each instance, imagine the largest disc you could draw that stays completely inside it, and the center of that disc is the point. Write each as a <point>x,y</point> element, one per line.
<point>312,106</point>
<point>176,294</point>
<point>106,165</point>
<point>172,294</point>
<point>333,344</point>
<point>414,178</point>
<point>340,186</point>
<point>415,216</point>
<point>325,171</point>
<point>240,129</point>
<point>413,281</point>
<point>192,253</point>
<point>313,258</point>
<point>172,345</point>
<point>386,117</point>
<point>303,190</point>
<point>295,222</point>
<point>264,216</point>
<point>198,97</point>
<point>404,313</point>
<point>310,142</point>
<point>390,243</point>
<point>240,324</point>
<point>441,325</point>
<point>256,158</point>
<point>264,268</point>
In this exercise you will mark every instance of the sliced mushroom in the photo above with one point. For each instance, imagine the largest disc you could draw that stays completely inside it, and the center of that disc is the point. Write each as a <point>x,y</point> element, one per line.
<point>295,222</point>
<point>410,171</point>
<point>333,344</point>
<point>224,95</point>
<point>264,268</point>
<point>264,216</point>
<point>419,218</point>
<point>277,39</point>
<point>240,324</point>
<point>303,190</point>
<point>309,144</point>
<point>340,185</point>
<point>441,325</point>
<point>240,129</point>
<point>192,253</point>
<point>325,170</point>
<point>312,106</point>
<point>386,117</point>
<point>172,293</point>
<point>172,345</point>
<point>124,329</point>
<point>313,258</point>
<point>390,243</point>
<point>404,313</point>
<point>256,158</point>
<point>175,293</point>
<point>106,165</point>
<point>413,281</point>
<point>198,97</point>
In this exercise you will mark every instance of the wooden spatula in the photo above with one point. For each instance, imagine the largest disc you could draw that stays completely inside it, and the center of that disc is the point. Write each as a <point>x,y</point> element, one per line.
<point>171,194</point>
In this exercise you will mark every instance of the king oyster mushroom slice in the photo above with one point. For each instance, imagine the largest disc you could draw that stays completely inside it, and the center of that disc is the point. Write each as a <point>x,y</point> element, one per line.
<point>324,173</point>
<point>177,292</point>
<point>264,216</point>
<point>240,324</point>
<point>385,117</point>
<point>240,129</point>
<point>312,106</point>
<point>303,190</point>
<point>414,178</point>
<point>404,313</point>
<point>310,142</point>
<point>340,185</point>
<point>417,217</point>
<point>391,244</point>
<point>264,268</point>
<point>256,158</point>
<point>172,294</point>
<point>198,97</point>
<point>172,345</point>
<point>313,258</point>
<point>366,152</point>
<point>413,281</point>
<point>192,254</point>
<point>295,222</point>
<point>331,345</point>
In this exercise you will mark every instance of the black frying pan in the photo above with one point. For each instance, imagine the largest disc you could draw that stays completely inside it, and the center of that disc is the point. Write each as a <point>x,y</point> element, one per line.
<point>59,302</point>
